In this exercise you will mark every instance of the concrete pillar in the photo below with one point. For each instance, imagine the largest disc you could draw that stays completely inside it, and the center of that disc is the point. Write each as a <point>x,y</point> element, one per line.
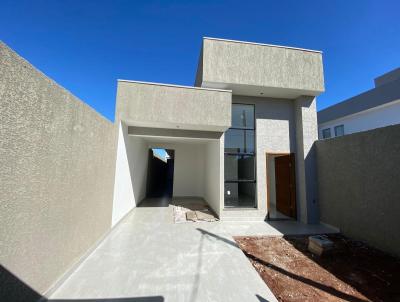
<point>222,173</point>
<point>306,135</point>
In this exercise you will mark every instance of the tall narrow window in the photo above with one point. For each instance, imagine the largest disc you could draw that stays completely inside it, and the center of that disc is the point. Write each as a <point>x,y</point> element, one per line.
<point>240,173</point>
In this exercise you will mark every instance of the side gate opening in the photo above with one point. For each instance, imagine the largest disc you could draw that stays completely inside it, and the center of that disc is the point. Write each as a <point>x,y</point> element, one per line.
<point>160,173</point>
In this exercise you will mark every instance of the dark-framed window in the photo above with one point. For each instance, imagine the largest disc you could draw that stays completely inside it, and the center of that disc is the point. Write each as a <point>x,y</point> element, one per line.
<point>240,158</point>
<point>339,130</point>
<point>326,133</point>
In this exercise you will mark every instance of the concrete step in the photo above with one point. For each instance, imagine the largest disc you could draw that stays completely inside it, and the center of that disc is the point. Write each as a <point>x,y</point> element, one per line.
<point>242,215</point>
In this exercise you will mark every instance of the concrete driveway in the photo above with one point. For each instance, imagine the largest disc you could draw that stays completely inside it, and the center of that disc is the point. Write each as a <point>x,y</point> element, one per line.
<point>147,257</point>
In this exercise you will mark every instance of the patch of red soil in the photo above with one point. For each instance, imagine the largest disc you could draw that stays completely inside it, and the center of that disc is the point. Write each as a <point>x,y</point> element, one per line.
<point>352,271</point>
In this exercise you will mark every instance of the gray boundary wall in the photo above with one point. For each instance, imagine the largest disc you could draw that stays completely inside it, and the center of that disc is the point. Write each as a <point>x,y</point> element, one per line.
<point>57,159</point>
<point>359,186</point>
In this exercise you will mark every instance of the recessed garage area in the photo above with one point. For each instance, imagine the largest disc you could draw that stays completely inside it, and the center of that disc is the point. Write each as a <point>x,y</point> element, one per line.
<point>196,167</point>
<point>170,168</point>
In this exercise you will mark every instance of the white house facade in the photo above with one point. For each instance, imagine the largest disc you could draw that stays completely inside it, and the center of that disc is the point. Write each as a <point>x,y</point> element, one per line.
<point>378,107</point>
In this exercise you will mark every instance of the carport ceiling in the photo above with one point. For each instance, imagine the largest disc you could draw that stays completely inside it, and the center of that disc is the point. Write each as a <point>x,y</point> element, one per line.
<point>168,140</point>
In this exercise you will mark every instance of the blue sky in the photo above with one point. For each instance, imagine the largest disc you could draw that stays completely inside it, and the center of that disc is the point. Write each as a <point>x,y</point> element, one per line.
<point>87,45</point>
<point>160,152</point>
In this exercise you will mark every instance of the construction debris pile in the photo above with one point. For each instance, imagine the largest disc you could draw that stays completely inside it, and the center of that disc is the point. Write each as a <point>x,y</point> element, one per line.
<point>192,211</point>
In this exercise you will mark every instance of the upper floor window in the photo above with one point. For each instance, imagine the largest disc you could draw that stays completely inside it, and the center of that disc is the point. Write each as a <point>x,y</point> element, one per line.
<point>326,133</point>
<point>339,130</point>
<point>239,141</point>
<point>240,137</point>
<point>242,116</point>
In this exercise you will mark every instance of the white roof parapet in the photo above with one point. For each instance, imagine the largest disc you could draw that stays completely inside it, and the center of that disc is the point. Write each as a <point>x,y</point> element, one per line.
<point>263,44</point>
<point>173,85</point>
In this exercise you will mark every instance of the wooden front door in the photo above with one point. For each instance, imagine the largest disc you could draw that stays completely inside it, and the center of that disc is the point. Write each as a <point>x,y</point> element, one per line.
<point>285,182</point>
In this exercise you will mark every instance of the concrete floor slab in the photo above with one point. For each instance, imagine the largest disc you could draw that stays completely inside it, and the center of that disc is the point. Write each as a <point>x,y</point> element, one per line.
<point>148,256</point>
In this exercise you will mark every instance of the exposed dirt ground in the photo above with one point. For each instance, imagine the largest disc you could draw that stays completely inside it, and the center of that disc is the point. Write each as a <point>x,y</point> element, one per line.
<point>352,271</point>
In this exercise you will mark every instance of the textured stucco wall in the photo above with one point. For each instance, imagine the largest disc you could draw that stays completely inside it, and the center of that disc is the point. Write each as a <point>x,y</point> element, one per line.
<point>163,106</point>
<point>359,186</point>
<point>260,65</point>
<point>306,178</point>
<point>57,159</point>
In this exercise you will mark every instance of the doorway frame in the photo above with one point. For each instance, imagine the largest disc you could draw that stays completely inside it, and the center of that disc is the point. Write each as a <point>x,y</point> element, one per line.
<point>267,181</point>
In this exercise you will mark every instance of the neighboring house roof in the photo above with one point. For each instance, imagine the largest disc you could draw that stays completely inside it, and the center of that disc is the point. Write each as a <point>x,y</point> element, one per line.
<point>386,92</point>
<point>390,76</point>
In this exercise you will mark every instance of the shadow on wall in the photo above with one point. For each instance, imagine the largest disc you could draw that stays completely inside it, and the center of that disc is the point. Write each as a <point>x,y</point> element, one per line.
<point>310,163</point>
<point>12,289</point>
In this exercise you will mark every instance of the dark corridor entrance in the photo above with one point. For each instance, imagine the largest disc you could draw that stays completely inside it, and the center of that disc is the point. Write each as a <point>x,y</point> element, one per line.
<point>160,173</point>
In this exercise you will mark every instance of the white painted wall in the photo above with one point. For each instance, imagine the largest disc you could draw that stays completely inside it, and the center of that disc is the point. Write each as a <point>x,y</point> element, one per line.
<point>381,116</point>
<point>188,167</point>
<point>130,173</point>
<point>213,176</point>
<point>189,170</point>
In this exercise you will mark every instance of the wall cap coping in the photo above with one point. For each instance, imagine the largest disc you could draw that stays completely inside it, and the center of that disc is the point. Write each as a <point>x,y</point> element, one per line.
<point>173,85</point>
<point>262,44</point>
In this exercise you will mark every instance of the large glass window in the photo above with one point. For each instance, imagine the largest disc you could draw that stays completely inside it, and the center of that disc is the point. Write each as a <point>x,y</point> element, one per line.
<point>239,141</point>
<point>239,167</point>
<point>240,175</point>
<point>242,116</point>
<point>240,194</point>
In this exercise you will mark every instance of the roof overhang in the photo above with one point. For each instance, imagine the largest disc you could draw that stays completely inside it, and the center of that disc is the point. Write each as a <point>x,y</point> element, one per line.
<point>164,106</point>
<point>260,69</point>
